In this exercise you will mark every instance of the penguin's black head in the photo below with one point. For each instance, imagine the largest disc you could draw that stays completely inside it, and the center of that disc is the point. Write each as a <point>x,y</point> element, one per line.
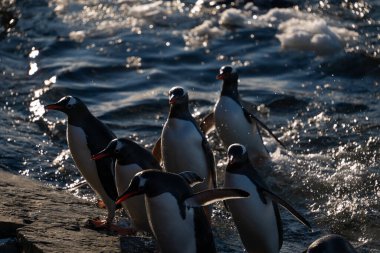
<point>136,187</point>
<point>155,182</point>
<point>67,105</point>
<point>237,154</point>
<point>177,95</point>
<point>227,73</point>
<point>112,150</point>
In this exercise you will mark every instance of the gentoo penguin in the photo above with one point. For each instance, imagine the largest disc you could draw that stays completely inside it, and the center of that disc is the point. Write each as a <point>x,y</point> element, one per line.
<point>233,122</point>
<point>86,136</point>
<point>130,159</point>
<point>182,146</point>
<point>178,222</point>
<point>257,218</point>
<point>331,244</point>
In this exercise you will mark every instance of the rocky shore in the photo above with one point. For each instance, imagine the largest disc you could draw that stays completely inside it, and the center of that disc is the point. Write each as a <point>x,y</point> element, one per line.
<point>38,218</point>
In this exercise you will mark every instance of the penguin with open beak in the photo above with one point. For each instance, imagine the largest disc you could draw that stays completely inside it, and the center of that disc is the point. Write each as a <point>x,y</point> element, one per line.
<point>233,122</point>
<point>131,158</point>
<point>86,136</point>
<point>257,217</point>
<point>175,213</point>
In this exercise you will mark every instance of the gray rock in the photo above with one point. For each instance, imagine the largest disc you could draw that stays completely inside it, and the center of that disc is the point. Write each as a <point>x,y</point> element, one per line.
<point>45,220</point>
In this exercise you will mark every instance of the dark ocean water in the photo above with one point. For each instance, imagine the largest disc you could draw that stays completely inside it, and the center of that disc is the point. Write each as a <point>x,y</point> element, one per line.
<point>311,67</point>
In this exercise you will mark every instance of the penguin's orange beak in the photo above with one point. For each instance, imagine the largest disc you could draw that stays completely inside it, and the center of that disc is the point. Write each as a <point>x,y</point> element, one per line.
<point>220,77</point>
<point>126,196</point>
<point>99,156</point>
<point>53,107</point>
<point>172,100</point>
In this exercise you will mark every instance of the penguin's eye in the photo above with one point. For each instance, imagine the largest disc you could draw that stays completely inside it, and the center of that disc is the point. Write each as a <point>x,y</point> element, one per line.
<point>179,93</point>
<point>117,151</point>
<point>69,106</point>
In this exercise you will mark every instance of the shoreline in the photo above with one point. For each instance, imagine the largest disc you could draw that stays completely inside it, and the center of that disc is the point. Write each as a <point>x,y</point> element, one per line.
<point>37,218</point>
<point>45,220</point>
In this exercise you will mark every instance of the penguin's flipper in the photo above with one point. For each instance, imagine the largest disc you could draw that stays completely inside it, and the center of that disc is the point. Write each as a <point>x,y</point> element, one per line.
<point>262,125</point>
<point>191,177</point>
<point>157,150</point>
<point>287,206</point>
<point>210,161</point>
<point>261,195</point>
<point>208,123</point>
<point>250,107</point>
<point>209,197</point>
<point>279,225</point>
<point>256,179</point>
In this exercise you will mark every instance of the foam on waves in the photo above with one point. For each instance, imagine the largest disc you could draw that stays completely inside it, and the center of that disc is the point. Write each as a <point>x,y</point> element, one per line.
<point>296,30</point>
<point>307,32</point>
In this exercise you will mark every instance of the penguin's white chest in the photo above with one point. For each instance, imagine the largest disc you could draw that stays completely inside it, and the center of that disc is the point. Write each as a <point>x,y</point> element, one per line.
<point>230,122</point>
<point>134,206</point>
<point>255,221</point>
<point>124,175</point>
<point>172,232</point>
<point>182,149</point>
<point>81,154</point>
<point>233,127</point>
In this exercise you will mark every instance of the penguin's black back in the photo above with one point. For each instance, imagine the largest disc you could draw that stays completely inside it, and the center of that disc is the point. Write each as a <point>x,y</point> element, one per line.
<point>134,153</point>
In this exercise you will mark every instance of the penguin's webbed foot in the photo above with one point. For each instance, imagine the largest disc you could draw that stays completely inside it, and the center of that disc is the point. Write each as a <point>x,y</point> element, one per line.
<point>100,204</point>
<point>98,223</point>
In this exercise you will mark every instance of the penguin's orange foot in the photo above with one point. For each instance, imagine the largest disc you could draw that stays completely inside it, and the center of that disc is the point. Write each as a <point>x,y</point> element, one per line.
<point>100,204</point>
<point>100,224</point>
<point>97,223</point>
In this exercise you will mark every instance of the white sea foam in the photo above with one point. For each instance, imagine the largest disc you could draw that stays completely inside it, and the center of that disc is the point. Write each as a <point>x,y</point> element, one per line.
<point>200,34</point>
<point>297,30</point>
<point>234,18</point>
<point>105,19</point>
<point>146,10</point>
<point>77,36</point>
<point>312,35</point>
<point>275,16</point>
<point>307,32</point>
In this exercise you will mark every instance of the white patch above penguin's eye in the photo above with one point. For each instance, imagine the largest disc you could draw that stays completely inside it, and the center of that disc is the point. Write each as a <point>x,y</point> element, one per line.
<point>72,101</point>
<point>119,145</point>
<point>142,181</point>
<point>177,91</point>
<point>236,146</point>
<point>243,149</point>
<point>64,98</point>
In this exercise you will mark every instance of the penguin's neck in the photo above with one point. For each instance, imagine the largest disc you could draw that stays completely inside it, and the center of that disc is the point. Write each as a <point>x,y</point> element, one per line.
<point>77,119</point>
<point>245,168</point>
<point>124,160</point>
<point>238,167</point>
<point>230,89</point>
<point>180,111</point>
